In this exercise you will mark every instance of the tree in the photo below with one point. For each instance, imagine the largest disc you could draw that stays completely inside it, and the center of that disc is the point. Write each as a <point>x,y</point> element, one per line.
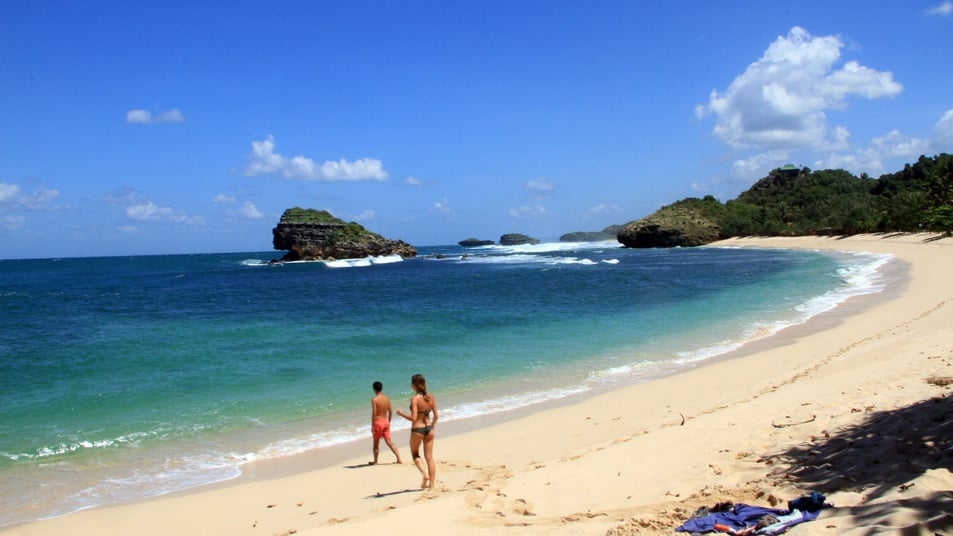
<point>939,183</point>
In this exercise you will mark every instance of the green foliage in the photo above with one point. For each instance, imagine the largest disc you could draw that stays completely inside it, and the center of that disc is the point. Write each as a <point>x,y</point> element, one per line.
<point>349,232</point>
<point>690,221</point>
<point>805,202</point>
<point>908,196</point>
<point>308,215</point>
<point>707,207</point>
<point>939,183</point>
<point>342,231</point>
<point>798,201</point>
<point>941,219</point>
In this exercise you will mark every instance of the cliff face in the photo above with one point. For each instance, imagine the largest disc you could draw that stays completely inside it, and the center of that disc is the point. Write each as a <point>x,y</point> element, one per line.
<point>308,234</point>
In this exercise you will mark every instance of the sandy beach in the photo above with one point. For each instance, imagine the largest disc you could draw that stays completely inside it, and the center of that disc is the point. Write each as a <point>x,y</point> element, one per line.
<point>855,404</point>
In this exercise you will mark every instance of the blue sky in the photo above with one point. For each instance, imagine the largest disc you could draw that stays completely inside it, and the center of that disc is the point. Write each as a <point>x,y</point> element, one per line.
<point>188,127</point>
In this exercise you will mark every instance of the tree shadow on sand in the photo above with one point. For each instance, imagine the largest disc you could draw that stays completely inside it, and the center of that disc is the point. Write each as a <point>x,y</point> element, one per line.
<point>884,453</point>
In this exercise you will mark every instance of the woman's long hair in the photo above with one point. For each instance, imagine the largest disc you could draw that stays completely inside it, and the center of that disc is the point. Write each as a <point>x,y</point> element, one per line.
<point>420,385</point>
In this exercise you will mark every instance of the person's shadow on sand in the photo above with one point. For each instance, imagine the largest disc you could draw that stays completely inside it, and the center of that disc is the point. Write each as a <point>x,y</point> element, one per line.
<point>380,495</point>
<point>368,464</point>
<point>886,451</point>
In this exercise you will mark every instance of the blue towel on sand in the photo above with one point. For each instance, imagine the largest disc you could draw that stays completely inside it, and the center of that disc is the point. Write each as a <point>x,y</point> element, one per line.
<point>744,516</point>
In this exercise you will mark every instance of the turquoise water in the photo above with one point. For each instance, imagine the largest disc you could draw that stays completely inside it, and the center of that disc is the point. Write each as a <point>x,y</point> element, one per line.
<point>126,377</point>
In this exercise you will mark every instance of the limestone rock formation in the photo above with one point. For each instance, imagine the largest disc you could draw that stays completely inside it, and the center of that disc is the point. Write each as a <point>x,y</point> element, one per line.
<point>474,242</point>
<point>669,227</point>
<point>309,234</point>
<point>516,239</point>
<point>609,233</point>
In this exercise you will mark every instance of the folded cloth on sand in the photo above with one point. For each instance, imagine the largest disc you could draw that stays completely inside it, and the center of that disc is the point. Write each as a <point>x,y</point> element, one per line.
<point>810,503</point>
<point>747,519</point>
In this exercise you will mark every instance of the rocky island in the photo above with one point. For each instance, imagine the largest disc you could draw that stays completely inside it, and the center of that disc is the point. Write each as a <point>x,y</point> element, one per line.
<point>609,233</point>
<point>309,235</point>
<point>516,239</point>
<point>677,225</point>
<point>475,242</point>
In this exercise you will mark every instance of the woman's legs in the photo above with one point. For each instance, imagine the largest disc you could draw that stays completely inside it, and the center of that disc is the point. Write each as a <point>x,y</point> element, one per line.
<point>415,440</point>
<point>428,455</point>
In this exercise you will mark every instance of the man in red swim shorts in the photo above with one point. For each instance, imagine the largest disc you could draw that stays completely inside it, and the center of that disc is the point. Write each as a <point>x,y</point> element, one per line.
<point>381,412</point>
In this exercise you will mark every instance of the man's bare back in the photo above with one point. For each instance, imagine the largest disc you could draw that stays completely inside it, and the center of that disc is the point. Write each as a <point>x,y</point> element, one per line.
<point>382,406</point>
<point>381,413</point>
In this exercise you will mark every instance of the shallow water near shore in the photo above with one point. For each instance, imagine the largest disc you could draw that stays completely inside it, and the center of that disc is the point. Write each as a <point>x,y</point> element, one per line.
<point>125,378</point>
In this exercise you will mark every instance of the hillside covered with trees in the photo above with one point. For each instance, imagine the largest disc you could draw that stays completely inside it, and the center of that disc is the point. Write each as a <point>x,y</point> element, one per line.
<point>794,201</point>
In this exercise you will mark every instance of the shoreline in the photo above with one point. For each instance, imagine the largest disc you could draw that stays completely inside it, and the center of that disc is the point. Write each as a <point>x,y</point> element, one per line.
<point>558,466</point>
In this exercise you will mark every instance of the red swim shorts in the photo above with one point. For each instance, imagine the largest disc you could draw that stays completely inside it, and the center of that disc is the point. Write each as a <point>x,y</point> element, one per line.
<point>381,429</point>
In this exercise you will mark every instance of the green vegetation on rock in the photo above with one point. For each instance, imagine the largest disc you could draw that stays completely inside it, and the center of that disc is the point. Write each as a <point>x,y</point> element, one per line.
<point>308,215</point>
<point>793,201</point>
<point>309,234</point>
<point>342,230</point>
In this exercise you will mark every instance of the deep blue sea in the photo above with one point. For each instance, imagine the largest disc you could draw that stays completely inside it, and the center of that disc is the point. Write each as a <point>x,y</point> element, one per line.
<point>127,377</point>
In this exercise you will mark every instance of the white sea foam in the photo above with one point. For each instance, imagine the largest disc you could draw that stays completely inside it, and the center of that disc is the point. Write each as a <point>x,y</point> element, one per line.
<point>553,247</point>
<point>509,402</point>
<point>518,258</point>
<point>131,439</point>
<point>359,263</point>
<point>190,470</point>
<point>337,263</point>
<point>861,274</point>
<point>627,372</point>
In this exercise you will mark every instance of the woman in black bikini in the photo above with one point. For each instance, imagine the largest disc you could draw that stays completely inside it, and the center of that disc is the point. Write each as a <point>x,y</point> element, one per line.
<point>422,405</point>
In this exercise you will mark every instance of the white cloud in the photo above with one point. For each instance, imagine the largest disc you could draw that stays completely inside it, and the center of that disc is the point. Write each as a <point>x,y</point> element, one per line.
<point>897,145</point>
<point>39,199</point>
<point>758,165</point>
<point>145,117</point>
<point>138,116</point>
<point>870,159</point>
<point>779,102</point>
<point>250,211</point>
<point>441,207</point>
<point>943,10</point>
<point>539,188</point>
<point>171,116</point>
<point>366,215</point>
<point>224,198</point>
<point>149,211</point>
<point>122,196</point>
<point>265,161</point>
<point>8,192</point>
<point>528,211</point>
<point>603,209</point>
<point>944,133</point>
<point>139,208</point>
<point>700,186</point>
<point>412,181</point>
<point>12,221</point>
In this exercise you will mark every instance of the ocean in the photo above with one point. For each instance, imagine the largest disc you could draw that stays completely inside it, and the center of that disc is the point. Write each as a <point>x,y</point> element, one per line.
<point>123,378</point>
